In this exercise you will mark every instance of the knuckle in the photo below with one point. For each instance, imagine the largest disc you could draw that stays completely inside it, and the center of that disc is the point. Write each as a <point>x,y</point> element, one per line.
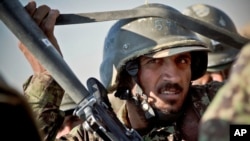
<point>55,11</point>
<point>44,8</point>
<point>47,28</point>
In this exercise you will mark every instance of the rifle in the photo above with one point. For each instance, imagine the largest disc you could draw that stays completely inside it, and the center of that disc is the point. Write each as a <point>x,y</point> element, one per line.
<point>93,105</point>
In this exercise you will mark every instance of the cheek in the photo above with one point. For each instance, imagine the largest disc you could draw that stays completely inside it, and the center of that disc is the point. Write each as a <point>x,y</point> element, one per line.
<point>147,79</point>
<point>185,79</point>
<point>186,75</point>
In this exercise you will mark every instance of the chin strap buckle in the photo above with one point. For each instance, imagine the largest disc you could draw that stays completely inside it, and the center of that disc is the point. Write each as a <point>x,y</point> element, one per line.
<point>142,100</point>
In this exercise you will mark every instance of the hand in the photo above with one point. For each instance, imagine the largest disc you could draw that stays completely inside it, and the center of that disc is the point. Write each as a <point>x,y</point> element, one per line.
<point>45,19</point>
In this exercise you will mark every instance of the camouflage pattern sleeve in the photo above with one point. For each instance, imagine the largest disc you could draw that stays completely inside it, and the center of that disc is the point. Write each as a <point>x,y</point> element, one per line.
<point>231,105</point>
<point>45,96</point>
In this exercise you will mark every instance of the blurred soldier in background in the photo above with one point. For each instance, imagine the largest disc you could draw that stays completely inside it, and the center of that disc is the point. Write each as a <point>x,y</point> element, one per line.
<point>245,31</point>
<point>17,119</point>
<point>231,104</point>
<point>222,56</point>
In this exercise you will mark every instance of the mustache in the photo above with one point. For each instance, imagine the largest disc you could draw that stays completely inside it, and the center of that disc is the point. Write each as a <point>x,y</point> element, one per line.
<point>169,85</point>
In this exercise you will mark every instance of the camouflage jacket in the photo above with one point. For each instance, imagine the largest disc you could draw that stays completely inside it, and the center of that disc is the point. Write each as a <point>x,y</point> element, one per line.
<point>186,126</point>
<point>231,104</point>
<point>45,97</point>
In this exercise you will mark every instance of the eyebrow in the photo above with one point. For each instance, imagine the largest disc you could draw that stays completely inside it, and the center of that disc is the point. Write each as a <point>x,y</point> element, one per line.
<point>142,58</point>
<point>187,55</point>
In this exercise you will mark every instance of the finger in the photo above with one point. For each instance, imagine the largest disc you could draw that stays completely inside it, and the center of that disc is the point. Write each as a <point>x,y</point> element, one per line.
<point>31,7</point>
<point>48,24</point>
<point>40,13</point>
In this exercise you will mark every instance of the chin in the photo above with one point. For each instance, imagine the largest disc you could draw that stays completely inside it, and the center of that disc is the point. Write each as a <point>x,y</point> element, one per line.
<point>168,114</point>
<point>170,110</point>
<point>167,110</point>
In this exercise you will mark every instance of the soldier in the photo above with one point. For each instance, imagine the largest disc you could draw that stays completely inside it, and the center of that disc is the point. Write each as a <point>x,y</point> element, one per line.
<point>150,62</point>
<point>231,104</point>
<point>222,56</point>
<point>245,30</point>
<point>155,76</point>
<point>41,90</point>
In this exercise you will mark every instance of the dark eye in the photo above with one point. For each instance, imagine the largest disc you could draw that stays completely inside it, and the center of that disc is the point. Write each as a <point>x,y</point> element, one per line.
<point>184,60</point>
<point>152,61</point>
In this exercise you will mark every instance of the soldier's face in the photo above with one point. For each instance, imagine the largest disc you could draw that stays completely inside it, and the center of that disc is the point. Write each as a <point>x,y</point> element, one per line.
<point>166,81</point>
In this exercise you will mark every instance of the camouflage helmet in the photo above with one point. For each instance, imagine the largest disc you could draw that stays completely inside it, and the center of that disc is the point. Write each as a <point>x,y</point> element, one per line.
<point>221,55</point>
<point>128,39</point>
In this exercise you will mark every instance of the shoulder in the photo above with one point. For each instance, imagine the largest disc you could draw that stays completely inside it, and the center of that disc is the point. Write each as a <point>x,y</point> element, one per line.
<point>202,95</point>
<point>208,90</point>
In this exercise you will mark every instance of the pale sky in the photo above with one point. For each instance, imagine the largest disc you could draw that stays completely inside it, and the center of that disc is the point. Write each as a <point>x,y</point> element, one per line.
<point>82,44</point>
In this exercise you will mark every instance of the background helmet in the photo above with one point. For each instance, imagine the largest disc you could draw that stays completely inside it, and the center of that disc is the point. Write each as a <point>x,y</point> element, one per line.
<point>128,39</point>
<point>221,55</point>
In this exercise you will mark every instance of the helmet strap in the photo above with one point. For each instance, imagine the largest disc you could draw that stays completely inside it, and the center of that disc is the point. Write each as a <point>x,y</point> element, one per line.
<point>140,99</point>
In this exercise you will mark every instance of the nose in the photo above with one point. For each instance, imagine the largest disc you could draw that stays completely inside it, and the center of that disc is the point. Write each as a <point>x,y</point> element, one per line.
<point>169,70</point>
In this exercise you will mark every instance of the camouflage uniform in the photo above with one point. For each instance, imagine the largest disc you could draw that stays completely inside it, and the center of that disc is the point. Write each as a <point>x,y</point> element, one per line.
<point>231,104</point>
<point>199,98</point>
<point>45,97</point>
